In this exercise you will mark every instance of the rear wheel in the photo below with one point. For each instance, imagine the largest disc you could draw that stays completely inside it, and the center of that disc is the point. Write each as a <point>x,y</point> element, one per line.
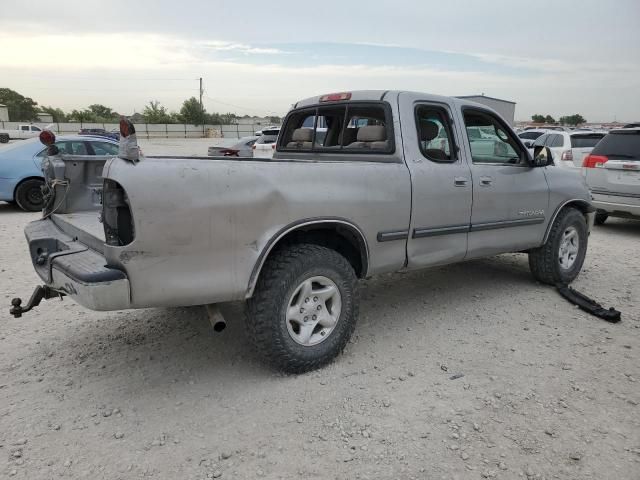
<point>28,195</point>
<point>601,217</point>
<point>4,138</point>
<point>304,307</point>
<point>560,259</point>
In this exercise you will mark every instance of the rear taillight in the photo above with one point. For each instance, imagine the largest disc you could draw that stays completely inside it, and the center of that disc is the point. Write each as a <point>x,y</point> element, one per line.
<point>567,156</point>
<point>253,147</point>
<point>273,146</point>
<point>594,161</point>
<point>229,152</point>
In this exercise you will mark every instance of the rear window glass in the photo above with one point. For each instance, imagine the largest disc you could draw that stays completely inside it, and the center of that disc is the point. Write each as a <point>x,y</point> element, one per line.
<point>352,127</point>
<point>267,139</point>
<point>622,144</point>
<point>585,141</point>
<point>530,135</point>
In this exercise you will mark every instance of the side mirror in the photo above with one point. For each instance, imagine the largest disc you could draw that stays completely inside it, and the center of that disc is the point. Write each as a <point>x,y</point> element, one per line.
<point>542,156</point>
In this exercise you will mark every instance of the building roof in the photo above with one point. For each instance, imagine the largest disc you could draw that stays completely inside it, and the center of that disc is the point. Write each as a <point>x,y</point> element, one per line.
<point>469,97</point>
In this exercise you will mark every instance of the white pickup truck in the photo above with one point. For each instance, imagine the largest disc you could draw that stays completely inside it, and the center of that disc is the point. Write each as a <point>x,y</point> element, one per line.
<point>21,133</point>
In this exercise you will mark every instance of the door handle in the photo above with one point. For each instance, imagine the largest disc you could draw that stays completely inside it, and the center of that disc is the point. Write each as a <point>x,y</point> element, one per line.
<point>460,181</point>
<point>486,181</point>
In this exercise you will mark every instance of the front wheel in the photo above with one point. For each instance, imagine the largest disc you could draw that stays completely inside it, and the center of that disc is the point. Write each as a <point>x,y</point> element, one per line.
<point>29,196</point>
<point>560,259</point>
<point>304,307</point>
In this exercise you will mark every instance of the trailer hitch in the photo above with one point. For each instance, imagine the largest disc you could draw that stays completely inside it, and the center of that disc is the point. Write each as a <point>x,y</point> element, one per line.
<point>42,292</point>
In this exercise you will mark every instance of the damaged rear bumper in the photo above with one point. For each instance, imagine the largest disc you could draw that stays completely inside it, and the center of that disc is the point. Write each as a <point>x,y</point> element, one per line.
<point>72,268</point>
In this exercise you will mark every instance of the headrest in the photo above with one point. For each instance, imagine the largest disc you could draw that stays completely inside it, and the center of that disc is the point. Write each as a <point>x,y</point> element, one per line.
<point>372,133</point>
<point>428,130</point>
<point>302,135</point>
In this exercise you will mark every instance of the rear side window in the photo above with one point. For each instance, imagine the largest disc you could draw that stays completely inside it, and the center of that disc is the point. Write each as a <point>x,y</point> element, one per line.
<point>555,140</point>
<point>585,141</point>
<point>352,127</point>
<point>619,144</point>
<point>24,128</point>
<point>540,141</point>
<point>435,135</point>
<point>104,148</point>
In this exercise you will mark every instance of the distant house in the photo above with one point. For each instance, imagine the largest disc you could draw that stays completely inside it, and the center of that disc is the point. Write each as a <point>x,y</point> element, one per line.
<point>44,117</point>
<point>4,113</point>
<point>506,108</point>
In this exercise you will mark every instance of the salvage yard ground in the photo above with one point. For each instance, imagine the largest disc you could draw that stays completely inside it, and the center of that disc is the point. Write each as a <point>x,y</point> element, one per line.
<point>466,371</point>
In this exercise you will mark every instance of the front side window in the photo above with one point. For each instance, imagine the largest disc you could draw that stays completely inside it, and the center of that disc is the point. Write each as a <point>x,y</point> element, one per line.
<point>35,129</point>
<point>435,135</point>
<point>490,141</point>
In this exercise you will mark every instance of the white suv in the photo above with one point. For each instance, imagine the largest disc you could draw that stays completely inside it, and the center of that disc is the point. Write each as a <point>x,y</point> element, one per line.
<point>568,148</point>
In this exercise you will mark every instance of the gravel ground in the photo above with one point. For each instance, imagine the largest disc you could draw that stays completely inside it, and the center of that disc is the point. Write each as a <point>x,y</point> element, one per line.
<point>467,371</point>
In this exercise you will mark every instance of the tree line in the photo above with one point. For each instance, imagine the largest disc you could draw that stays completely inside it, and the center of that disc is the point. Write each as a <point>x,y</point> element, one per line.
<point>573,120</point>
<point>25,109</point>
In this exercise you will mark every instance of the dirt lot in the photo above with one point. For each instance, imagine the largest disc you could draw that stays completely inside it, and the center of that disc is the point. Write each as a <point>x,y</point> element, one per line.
<point>547,391</point>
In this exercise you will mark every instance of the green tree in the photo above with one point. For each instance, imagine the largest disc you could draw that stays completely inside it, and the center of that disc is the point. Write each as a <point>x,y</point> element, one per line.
<point>102,113</point>
<point>275,119</point>
<point>573,120</point>
<point>57,114</point>
<point>549,119</point>
<point>156,113</point>
<point>192,113</point>
<point>537,118</point>
<point>21,109</point>
<point>85,116</point>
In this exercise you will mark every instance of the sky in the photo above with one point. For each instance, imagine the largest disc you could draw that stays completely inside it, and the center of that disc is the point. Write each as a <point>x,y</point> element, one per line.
<point>555,57</point>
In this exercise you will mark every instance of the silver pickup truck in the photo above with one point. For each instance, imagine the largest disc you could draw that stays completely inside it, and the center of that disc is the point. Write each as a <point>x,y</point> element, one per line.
<point>392,183</point>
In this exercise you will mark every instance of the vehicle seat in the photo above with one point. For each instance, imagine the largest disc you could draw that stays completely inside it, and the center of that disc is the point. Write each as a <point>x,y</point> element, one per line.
<point>428,131</point>
<point>371,136</point>
<point>301,138</point>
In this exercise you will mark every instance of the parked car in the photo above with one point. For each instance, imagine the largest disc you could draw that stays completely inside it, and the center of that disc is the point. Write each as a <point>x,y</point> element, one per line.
<point>270,127</point>
<point>528,136</point>
<point>21,176</point>
<point>612,172</point>
<point>100,132</point>
<point>240,149</point>
<point>291,236</point>
<point>568,148</point>
<point>265,145</point>
<point>21,133</point>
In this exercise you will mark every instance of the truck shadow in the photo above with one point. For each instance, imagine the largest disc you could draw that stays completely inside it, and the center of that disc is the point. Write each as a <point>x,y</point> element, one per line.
<point>175,348</point>
<point>621,226</point>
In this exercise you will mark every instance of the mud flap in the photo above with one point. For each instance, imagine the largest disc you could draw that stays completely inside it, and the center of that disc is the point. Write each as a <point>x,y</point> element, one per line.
<point>588,305</point>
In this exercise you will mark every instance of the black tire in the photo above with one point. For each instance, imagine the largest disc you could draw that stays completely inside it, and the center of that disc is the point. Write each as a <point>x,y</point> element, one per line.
<point>28,195</point>
<point>4,138</point>
<point>544,261</point>
<point>281,275</point>
<point>601,217</point>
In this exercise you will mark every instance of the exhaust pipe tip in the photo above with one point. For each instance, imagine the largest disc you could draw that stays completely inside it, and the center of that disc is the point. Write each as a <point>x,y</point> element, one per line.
<point>218,323</point>
<point>219,326</point>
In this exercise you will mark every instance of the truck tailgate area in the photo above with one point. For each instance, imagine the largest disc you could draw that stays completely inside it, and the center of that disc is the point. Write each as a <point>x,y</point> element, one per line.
<point>85,226</point>
<point>71,266</point>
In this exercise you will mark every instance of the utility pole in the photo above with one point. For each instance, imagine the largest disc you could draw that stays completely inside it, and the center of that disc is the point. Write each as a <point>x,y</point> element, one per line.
<point>201,108</point>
